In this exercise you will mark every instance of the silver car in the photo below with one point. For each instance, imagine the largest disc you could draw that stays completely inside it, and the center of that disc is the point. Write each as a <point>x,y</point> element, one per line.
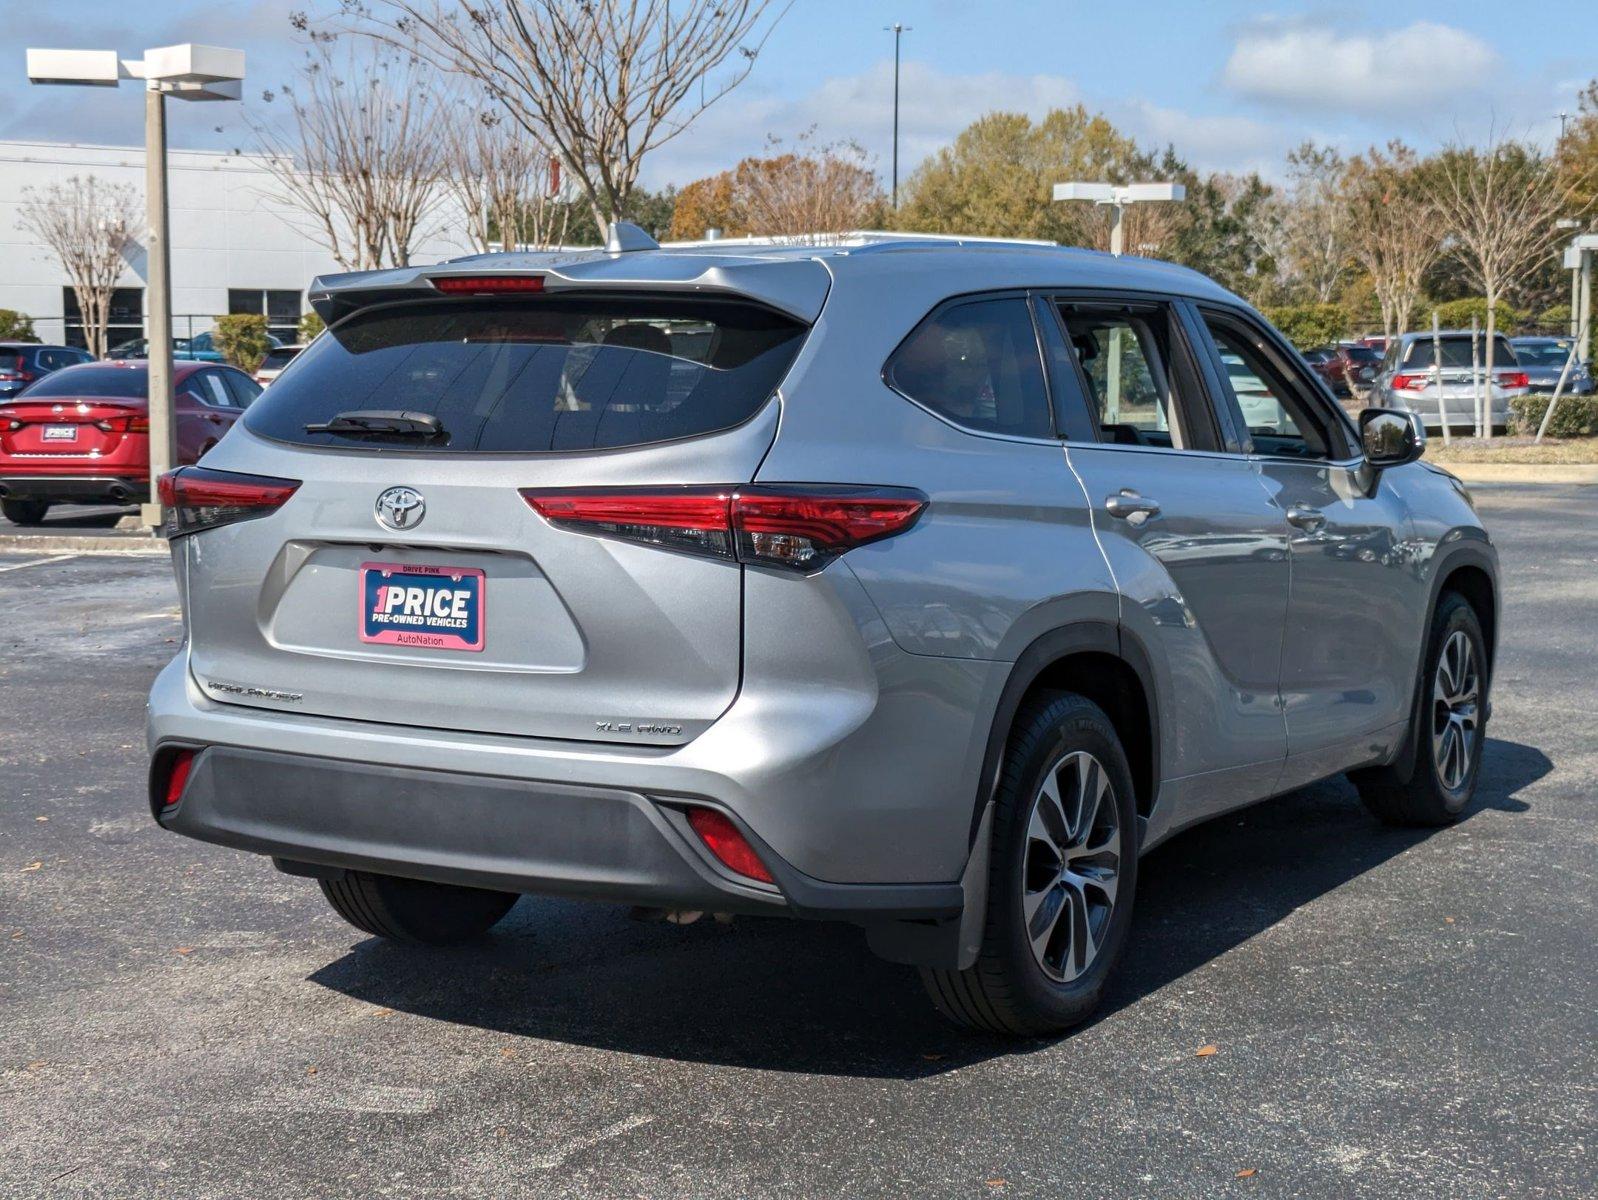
<point>1445,378</point>
<point>916,584</point>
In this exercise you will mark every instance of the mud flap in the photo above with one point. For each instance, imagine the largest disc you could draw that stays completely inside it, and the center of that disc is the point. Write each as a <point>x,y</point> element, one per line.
<point>944,945</point>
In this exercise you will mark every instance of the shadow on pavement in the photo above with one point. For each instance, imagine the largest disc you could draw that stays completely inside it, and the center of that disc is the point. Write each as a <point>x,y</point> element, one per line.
<point>72,518</point>
<point>792,996</point>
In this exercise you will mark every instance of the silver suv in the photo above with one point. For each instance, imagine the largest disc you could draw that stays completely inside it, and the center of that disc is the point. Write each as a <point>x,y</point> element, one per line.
<point>916,584</point>
<point>1441,378</point>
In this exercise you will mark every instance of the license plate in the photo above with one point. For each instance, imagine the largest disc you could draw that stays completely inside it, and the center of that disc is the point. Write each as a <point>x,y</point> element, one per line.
<point>60,433</point>
<point>434,608</point>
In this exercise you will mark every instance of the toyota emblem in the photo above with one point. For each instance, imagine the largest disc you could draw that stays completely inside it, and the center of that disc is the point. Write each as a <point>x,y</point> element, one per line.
<point>401,508</point>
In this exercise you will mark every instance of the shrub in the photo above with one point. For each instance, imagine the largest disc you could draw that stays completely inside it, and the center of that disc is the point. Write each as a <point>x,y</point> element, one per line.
<point>1456,314</point>
<point>242,339</point>
<point>310,326</point>
<point>1576,416</point>
<point>15,327</point>
<point>1310,325</point>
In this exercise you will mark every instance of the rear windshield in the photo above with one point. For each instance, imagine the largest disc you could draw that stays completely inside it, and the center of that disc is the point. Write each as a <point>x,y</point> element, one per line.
<point>529,376</point>
<point>124,383</point>
<point>1456,352</point>
<point>276,360</point>
<point>1543,354</point>
<point>1363,353</point>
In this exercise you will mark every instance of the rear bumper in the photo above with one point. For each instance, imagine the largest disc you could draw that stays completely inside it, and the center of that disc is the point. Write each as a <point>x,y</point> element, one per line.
<point>591,843</point>
<point>75,488</point>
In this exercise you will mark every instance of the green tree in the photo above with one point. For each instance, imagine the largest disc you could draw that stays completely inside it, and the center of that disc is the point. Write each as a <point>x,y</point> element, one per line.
<point>16,327</point>
<point>1456,314</point>
<point>310,326</point>
<point>242,339</point>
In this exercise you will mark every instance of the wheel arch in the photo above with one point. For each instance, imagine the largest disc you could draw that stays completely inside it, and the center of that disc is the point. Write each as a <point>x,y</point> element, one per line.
<point>1103,662</point>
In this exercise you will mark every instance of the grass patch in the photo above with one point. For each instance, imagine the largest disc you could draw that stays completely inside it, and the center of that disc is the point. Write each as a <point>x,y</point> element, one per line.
<point>1512,450</point>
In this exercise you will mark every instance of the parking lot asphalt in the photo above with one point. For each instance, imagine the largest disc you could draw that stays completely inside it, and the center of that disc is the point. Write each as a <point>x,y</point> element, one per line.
<point>1394,1013</point>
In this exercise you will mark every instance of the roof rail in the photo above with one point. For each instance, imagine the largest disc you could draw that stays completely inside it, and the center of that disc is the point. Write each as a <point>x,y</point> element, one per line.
<point>854,237</point>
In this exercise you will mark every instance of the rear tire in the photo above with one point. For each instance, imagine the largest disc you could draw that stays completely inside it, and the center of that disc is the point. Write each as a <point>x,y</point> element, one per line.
<point>1449,728</point>
<point>413,910</point>
<point>1061,877</point>
<point>24,512</point>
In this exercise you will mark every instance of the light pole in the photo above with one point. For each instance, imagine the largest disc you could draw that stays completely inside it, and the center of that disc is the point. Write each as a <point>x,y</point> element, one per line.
<point>1118,196</point>
<point>188,72</point>
<point>898,31</point>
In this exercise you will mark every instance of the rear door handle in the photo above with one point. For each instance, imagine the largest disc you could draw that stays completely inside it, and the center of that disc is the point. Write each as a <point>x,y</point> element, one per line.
<point>1131,507</point>
<point>1306,518</point>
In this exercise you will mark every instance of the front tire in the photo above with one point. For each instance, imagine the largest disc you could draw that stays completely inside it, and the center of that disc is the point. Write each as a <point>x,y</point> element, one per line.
<point>24,512</point>
<point>1449,718</point>
<point>1061,877</point>
<point>413,910</point>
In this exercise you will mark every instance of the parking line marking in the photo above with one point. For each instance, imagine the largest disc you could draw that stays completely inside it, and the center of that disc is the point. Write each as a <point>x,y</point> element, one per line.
<point>558,1156</point>
<point>37,562</point>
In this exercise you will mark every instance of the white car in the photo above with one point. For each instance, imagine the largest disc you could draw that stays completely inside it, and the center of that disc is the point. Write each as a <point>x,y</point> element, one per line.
<point>276,359</point>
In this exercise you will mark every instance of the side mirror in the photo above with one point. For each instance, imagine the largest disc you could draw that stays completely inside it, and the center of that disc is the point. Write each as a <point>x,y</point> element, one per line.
<point>1391,437</point>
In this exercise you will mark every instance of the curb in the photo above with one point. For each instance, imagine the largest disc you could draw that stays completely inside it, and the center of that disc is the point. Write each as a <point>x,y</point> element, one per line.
<point>1579,473</point>
<point>68,543</point>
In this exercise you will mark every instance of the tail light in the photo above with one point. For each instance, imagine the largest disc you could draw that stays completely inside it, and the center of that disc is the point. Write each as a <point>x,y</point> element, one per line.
<point>199,498</point>
<point>802,527</point>
<point>124,425</point>
<point>17,371</point>
<point>723,839</point>
<point>1412,383</point>
<point>1513,379</point>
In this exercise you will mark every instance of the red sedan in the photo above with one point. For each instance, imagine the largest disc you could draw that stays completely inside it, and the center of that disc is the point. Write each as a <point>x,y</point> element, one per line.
<point>82,434</point>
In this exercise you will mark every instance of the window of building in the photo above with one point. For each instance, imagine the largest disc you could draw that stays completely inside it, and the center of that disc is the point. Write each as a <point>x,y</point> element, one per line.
<point>281,307</point>
<point>126,318</point>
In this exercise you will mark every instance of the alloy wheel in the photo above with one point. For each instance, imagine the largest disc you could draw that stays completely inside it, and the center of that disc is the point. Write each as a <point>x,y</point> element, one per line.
<point>1072,865</point>
<point>1456,696</point>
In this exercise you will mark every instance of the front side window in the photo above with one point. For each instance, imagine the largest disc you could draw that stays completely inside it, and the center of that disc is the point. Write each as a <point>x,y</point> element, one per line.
<point>1273,408</point>
<point>977,364</point>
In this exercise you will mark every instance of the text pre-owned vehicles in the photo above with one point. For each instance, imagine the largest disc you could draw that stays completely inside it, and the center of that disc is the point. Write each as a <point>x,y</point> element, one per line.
<point>1408,378</point>
<point>21,363</point>
<point>1543,360</point>
<point>82,435</point>
<point>913,583</point>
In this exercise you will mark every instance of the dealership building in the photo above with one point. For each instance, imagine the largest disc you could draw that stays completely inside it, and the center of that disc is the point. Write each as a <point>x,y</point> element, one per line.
<point>235,248</point>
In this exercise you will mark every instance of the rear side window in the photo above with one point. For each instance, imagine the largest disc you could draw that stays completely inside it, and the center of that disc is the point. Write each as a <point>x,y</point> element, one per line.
<point>538,375</point>
<point>978,365</point>
<point>125,383</point>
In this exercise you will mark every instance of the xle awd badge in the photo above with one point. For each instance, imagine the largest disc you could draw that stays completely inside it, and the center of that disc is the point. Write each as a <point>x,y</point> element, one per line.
<point>401,508</point>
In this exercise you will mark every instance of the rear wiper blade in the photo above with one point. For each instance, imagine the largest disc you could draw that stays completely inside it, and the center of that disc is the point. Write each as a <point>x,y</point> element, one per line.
<point>378,422</point>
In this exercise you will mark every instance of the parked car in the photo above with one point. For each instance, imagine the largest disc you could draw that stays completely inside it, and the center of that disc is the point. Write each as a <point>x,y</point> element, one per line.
<point>274,362</point>
<point>140,348</point>
<point>202,348</point>
<point>902,582</point>
<point>81,435</point>
<point>1347,367</point>
<point>1543,359</point>
<point>21,363</point>
<point>1408,379</point>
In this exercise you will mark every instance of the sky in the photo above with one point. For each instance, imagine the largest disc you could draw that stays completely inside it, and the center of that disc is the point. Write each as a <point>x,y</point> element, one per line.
<point>1232,85</point>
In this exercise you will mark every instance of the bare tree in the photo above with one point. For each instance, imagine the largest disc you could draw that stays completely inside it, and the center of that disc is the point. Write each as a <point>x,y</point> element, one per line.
<point>1314,224</point>
<point>506,182</point>
<point>1498,207</point>
<point>812,190</point>
<point>607,81</point>
<point>359,150</point>
<point>1393,232</point>
<point>88,224</point>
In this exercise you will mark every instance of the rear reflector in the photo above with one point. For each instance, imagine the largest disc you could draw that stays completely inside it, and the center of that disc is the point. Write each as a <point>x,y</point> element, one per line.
<point>1410,382</point>
<point>199,498</point>
<point>731,848</point>
<point>799,526</point>
<point>178,776</point>
<point>488,285</point>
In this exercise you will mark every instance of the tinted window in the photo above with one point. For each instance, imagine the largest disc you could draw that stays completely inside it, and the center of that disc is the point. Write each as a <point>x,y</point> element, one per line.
<point>125,383</point>
<point>243,389</point>
<point>212,390</point>
<point>539,375</point>
<point>1542,354</point>
<point>276,360</point>
<point>1362,354</point>
<point>1456,351</point>
<point>978,365</point>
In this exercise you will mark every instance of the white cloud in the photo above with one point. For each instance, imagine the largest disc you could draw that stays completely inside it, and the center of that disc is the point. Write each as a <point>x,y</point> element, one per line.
<point>1323,68</point>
